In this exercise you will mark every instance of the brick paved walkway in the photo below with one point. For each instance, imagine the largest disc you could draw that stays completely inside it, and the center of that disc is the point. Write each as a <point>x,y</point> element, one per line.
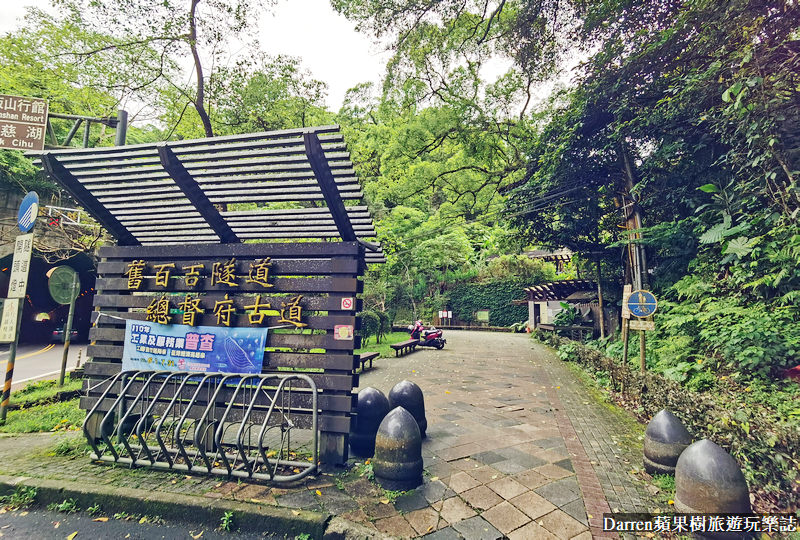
<point>516,449</point>
<point>513,450</point>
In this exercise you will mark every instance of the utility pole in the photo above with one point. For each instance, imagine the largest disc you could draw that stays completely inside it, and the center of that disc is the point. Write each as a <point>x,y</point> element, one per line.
<point>636,254</point>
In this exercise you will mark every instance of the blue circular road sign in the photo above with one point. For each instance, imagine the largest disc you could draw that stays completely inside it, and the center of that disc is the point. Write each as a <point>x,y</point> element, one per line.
<point>642,303</point>
<point>28,212</point>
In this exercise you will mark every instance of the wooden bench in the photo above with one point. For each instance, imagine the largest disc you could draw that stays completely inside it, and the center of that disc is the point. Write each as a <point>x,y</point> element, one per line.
<point>368,357</point>
<point>404,346</point>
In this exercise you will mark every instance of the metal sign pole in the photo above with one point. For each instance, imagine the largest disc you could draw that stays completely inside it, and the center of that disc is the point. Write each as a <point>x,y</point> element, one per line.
<point>68,331</point>
<point>18,284</point>
<point>12,356</point>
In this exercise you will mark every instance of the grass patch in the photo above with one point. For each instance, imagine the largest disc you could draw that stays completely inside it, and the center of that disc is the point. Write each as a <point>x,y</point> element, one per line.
<point>64,415</point>
<point>71,447</point>
<point>666,484</point>
<point>383,347</point>
<point>40,392</point>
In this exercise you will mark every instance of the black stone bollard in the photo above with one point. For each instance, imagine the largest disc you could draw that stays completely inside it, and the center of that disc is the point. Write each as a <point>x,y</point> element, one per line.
<point>708,481</point>
<point>373,406</point>
<point>408,395</point>
<point>664,440</point>
<point>397,464</point>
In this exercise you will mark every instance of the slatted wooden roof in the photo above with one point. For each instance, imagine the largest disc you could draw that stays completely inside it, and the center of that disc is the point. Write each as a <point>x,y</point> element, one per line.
<point>559,290</point>
<point>183,192</point>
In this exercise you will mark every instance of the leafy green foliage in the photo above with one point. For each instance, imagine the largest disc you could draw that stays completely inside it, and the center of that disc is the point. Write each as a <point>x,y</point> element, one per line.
<point>757,422</point>
<point>67,506</point>
<point>495,296</point>
<point>22,497</point>
<point>567,316</point>
<point>227,522</point>
<point>370,326</point>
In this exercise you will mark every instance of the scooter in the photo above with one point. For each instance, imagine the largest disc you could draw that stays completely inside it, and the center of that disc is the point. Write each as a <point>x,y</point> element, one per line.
<point>431,337</point>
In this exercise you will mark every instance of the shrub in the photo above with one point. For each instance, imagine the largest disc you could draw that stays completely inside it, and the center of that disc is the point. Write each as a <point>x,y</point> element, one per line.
<point>370,325</point>
<point>756,421</point>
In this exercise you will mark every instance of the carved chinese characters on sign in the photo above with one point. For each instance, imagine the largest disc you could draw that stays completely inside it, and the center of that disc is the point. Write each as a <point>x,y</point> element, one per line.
<point>190,306</point>
<point>158,311</point>
<point>259,311</point>
<point>192,274</point>
<point>134,273</point>
<point>291,312</point>
<point>223,309</point>
<point>224,273</point>
<point>259,272</point>
<point>221,273</point>
<point>162,273</point>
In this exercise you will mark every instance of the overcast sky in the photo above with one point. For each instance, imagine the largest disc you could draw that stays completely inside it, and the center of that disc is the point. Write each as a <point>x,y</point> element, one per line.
<point>328,43</point>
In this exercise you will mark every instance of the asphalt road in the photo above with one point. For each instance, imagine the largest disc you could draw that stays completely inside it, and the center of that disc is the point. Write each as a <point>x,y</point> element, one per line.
<point>39,361</point>
<point>44,524</point>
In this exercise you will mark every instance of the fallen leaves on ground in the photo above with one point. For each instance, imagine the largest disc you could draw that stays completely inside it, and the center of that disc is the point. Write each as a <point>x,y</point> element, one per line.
<point>73,535</point>
<point>103,519</point>
<point>196,536</point>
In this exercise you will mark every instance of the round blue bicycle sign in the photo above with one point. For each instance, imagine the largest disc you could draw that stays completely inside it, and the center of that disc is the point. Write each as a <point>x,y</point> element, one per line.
<point>28,212</point>
<point>642,303</point>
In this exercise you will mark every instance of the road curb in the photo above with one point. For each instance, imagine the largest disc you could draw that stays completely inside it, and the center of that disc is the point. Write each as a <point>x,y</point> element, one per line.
<point>174,506</point>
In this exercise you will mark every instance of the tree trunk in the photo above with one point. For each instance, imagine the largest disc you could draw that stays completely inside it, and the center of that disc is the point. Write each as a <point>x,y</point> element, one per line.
<point>198,68</point>
<point>634,219</point>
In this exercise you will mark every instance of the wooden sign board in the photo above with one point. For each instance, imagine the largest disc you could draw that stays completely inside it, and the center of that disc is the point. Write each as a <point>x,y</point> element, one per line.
<point>304,293</point>
<point>23,122</point>
<point>626,294</point>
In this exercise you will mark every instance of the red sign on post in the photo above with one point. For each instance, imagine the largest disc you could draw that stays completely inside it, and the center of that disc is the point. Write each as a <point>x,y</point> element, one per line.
<point>23,122</point>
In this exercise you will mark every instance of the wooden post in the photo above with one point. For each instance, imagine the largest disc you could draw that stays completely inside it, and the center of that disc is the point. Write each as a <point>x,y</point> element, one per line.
<point>642,363</point>
<point>600,300</point>
<point>625,336</point>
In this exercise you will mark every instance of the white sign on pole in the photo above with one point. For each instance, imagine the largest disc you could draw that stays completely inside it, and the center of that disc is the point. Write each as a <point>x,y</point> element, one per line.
<point>20,266</point>
<point>8,323</point>
<point>449,314</point>
<point>626,294</point>
<point>642,325</point>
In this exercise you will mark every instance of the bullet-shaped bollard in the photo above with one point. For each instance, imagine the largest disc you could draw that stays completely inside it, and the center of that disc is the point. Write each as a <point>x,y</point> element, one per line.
<point>408,395</point>
<point>373,406</point>
<point>664,440</point>
<point>709,481</point>
<point>397,464</point>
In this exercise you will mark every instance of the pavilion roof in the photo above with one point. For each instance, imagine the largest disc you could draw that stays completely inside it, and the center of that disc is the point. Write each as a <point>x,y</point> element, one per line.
<point>301,184</point>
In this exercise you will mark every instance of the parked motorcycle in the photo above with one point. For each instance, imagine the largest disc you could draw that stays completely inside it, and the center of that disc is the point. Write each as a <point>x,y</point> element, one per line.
<point>432,337</point>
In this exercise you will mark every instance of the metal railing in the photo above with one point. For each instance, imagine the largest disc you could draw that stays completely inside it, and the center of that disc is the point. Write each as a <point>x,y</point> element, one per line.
<point>217,423</point>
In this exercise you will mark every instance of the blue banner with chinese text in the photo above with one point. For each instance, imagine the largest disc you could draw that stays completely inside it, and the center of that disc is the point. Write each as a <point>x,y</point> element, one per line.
<point>174,347</point>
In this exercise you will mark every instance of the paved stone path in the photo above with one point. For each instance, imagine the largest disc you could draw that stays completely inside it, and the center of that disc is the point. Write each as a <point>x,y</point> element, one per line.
<point>517,448</point>
<point>514,449</point>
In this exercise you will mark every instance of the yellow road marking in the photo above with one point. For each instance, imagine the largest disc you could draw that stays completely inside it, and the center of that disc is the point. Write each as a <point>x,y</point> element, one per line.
<point>49,347</point>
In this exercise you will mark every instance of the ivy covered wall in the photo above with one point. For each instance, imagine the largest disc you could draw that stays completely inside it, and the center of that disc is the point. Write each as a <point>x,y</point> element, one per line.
<point>467,298</point>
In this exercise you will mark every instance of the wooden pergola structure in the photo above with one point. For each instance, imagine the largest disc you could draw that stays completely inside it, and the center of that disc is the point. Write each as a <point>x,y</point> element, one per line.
<point>175,203</point>
<point>559,290</point>
<point>179,192</point>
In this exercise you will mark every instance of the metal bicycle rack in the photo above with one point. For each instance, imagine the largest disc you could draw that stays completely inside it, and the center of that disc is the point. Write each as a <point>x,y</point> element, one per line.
<point>216,423</point>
